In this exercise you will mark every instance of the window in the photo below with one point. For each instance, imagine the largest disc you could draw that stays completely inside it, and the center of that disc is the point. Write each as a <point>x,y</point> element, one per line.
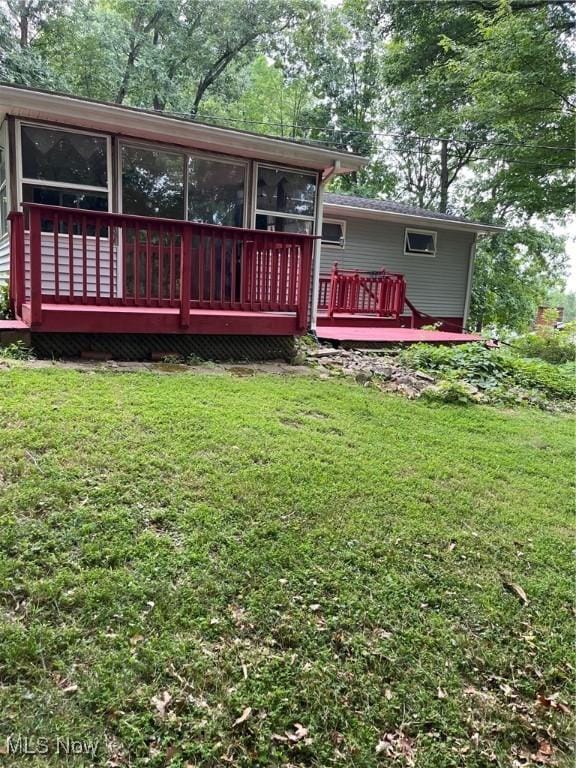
<point>285,200</point>
<point>61,156</point>
<point>152,182</point>
<point>3,195</point>
<point>420,241</point>
<point>216,191</point>
<point>333,233</point>
<point>65,168</point>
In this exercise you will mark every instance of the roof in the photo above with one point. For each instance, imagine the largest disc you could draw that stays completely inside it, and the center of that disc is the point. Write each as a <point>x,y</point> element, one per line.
<point>391,210</point>
<point>135,122</point>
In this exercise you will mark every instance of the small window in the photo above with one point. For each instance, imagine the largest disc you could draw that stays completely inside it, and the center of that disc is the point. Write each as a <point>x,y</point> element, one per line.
<point>420,241</point>
<point>333,233</point>
<point>288,192</point>
<point>283,224</point>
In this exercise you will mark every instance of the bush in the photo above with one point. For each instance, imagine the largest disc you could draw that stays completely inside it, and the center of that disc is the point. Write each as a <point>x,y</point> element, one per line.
<point>451,391</point>
<point>549,344</point>
<point>5,313</point>
<point>16,351</point>
<point>493,371</point>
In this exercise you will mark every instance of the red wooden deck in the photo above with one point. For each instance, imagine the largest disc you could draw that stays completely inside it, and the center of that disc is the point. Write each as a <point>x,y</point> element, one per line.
<point>376,333</point>
<point>80,271</point>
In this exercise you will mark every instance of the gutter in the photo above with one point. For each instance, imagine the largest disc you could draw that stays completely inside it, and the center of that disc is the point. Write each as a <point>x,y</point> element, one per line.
<point>409,218</point>
<point>146,124</point>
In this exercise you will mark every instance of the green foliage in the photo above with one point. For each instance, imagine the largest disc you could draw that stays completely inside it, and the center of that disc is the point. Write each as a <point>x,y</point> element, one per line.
<point>16,351</point>
<point>451,391</point>
<point>5,310</point>
<point>547,343</point>
<point>566,300</point>
<point>513,272</point>
<point>491,371</point>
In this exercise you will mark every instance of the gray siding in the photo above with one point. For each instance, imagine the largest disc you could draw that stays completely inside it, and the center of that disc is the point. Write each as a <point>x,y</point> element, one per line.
<point>4,259</point>
<point>435,285</point>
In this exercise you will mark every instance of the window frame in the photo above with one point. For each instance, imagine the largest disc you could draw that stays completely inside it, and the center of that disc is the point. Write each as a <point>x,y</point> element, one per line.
<point>4,185</point>
<point>418,231</point>
<point>332,243</point>
<point>280,214</point>
<point>187,155</point>
<point>108,189</point>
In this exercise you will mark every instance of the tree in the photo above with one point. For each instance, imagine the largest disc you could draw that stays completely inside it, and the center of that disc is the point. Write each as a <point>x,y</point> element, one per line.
<point>513,274</point>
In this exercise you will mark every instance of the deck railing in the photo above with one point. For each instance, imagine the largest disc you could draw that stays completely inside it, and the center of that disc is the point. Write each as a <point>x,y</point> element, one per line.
<point>72,256</point>
<point>370,293</point>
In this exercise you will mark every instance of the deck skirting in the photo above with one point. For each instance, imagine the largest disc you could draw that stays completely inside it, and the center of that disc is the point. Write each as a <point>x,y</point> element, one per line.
<point>146,346</point>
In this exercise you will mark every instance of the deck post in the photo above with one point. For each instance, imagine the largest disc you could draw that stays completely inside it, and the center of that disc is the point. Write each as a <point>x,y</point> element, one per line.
<point>185,277</point>
<point>35,267</point>
<point>305,269</point>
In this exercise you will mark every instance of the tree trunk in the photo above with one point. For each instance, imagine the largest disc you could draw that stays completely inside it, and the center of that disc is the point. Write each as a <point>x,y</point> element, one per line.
<point>444,182</point>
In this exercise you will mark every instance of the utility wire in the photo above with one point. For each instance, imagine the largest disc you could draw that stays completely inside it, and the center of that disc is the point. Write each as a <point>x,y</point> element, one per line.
<point>331,129</point>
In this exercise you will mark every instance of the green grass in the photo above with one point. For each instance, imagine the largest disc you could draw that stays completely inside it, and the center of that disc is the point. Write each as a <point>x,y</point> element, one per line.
<point>320,552</point>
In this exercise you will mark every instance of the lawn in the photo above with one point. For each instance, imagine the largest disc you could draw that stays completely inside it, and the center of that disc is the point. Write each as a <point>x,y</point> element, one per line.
<point>209,570</point>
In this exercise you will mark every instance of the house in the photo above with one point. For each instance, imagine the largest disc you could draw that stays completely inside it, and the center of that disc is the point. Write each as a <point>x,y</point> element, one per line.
<point>431,253</point>
<point>190,237</point>
<point>136,233</point>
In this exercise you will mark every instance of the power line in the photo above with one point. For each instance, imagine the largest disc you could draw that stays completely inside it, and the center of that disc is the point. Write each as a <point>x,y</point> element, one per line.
<point>331,129</point>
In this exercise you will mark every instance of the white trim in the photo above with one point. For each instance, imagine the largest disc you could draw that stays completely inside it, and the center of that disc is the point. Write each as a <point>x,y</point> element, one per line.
<point>144,124</point>
<point>412,252</point>
<point>334,209</point>
<point>332,244</point>
<point>469,281</point>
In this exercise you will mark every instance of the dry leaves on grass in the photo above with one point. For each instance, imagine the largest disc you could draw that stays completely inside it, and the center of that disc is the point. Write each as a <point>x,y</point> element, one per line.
<point>516,590</point>
<point>553,702</point>
<point>246,713</point>
<point>297,734</point>
<point>161,703</point>
<point>397,746</point>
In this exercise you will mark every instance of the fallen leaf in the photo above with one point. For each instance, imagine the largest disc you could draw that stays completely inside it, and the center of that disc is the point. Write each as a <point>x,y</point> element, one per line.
<point>135,640</point>
<point>70,689</point>
<point>397,745</point>
<point>452,546</point>
<point>517,590</point>
<point>441,693</point>
<point>161,702</point>
<point>315,607</point>
<point>544,753</point>
<point>553,702</point>
<point>243,717</point>
<point>388,694</point>
<point>298,734</point>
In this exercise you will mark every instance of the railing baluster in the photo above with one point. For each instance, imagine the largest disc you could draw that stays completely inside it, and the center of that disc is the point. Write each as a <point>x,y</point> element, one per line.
<point>71,261</point>
<point>84,262</point>
<point>97,261</point>
<point>56,257</point>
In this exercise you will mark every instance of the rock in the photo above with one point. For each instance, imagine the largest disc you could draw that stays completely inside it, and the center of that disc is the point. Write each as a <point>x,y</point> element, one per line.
<point>363,377</point>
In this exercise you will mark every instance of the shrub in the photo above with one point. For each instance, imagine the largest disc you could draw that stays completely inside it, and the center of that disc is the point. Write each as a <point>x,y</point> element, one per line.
<point>492,371</point>
<point>16,351</point>
<point>451,391</point>
<point>5,312</point>
<point>549,344</point>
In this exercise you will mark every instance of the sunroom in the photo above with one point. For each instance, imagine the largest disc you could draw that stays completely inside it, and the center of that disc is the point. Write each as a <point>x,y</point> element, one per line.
<point>126,221</point>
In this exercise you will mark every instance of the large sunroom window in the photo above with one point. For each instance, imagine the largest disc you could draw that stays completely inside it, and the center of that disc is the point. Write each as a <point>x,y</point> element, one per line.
<point>216,190</point>
<point>285,200</point>
<point>152,182</point>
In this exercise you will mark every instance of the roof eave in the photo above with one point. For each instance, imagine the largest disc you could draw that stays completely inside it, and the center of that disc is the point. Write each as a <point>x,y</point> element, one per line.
<point>334,209</point>
<point>142,124</point>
